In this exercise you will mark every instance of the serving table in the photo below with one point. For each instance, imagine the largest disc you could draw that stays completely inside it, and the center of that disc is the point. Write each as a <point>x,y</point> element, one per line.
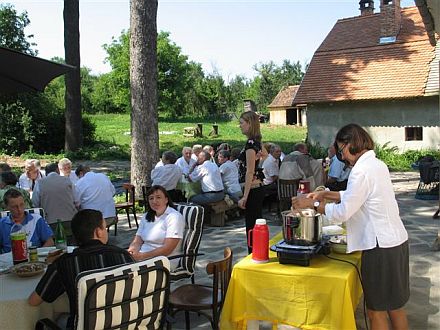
<point>15,312</point>
<point>323,295</point>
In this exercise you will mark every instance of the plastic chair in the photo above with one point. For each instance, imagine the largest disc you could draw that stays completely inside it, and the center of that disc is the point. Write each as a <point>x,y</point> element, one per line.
<point>194,217</point>
<point>129,203</point>
<point>122,297</point>
<point>286,190</point>
<point>200,298</point>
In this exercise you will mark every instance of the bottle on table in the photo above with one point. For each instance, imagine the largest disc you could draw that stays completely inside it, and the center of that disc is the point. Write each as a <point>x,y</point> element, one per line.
<point>18,244</point>
<point>60,237</point>
<point>260,241</point>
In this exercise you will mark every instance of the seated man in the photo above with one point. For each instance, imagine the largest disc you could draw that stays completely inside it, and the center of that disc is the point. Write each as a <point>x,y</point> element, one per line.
<point>186,162</point>
<point>9,180</point>
<point>168,175</point>
<point>55,194</point>
<point>38,231</point>
<point>271,169</point>
<point>89,230</point>
<point>229,173</point>
<point>338,173</point>
<point>300,165</point>
<point>95,191</point>
<point>211,181</point>
<point>31,175</point>
<point>196,149</point>
<point>65,169</point>
<point>4,167</point>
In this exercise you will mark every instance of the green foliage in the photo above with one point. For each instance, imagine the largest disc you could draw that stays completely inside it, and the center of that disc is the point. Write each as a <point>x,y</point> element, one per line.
<point>12,27</point>
<point>401,161</point>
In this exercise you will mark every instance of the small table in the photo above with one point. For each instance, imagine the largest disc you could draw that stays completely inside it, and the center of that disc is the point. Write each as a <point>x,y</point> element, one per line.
<point>323,295</point>
<point>15,312</point>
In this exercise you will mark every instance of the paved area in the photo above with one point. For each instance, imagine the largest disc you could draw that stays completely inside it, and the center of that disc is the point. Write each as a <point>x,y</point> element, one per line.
<point>424,305</point>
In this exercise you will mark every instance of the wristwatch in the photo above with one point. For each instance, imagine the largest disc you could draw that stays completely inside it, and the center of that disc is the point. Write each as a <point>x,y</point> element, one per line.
<point>315,206</point>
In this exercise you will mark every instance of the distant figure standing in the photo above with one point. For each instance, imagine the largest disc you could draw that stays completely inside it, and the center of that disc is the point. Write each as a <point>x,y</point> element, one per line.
<point>254,190</point>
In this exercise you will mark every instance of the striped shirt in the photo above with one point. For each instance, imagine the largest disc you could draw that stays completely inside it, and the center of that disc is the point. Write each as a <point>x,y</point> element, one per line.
<point>60,276</point>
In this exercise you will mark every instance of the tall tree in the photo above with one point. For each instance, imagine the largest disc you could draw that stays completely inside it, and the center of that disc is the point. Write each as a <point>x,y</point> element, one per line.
<point>143,83</point>
<point>74,136</point>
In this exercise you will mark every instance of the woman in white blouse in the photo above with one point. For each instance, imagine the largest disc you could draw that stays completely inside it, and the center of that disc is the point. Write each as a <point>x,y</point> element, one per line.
<point>370,210</point>
<point>161,229</point>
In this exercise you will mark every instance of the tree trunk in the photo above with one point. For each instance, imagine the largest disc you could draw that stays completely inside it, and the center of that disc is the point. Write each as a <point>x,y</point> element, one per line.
<point>143,82</point>
<point>73,136</point>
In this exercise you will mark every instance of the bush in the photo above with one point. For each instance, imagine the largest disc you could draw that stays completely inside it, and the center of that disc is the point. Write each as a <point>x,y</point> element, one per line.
<point>30,123</point>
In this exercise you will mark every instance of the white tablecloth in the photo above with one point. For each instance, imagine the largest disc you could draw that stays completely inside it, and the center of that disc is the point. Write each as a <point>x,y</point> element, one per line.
<point>15,312</point>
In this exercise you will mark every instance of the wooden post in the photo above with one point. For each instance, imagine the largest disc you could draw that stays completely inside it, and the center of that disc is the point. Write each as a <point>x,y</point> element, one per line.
<point>199,130</point>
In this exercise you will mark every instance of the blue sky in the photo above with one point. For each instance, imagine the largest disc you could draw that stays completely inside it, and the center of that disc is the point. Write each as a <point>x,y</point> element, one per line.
<point>226,36</point>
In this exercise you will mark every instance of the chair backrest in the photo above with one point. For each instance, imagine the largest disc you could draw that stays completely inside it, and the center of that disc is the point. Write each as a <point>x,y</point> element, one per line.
<point>128,296</point>
<point>194,216</point>
<point>144,196</point>
<point>286,190</point>
<point>37,210</point>
<point>130,193</point>
<point>221,271</point>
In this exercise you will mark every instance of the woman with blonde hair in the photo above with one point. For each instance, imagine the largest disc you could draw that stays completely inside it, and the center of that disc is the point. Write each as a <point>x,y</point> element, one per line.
<point>250,176</point>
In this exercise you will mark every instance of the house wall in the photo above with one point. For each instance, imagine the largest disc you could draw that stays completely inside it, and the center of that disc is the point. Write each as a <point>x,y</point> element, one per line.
<point>278,117</point>
<point>384,120</point>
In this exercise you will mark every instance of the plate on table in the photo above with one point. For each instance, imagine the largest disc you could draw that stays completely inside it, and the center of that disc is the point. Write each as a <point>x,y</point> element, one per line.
<point>44,251</point>
<point>29,269</point>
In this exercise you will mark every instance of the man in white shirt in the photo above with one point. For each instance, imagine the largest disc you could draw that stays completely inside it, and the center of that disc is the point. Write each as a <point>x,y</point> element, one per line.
<point>196,149</point>
<point>186,163</point>
<point>208,174</point>
<point>95,191</point>
<point>271,166</point>
<point>31,175</point>
<point>65,169</point>
<point>229,173</point>
<point>168,175</point>
<point>55,194</point>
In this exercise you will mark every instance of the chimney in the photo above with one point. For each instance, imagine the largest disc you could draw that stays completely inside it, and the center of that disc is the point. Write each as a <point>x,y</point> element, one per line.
<point>390,20</point>
<point>366,7</point>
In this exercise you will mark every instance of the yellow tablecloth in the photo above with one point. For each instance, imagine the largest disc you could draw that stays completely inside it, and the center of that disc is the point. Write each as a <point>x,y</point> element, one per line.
<point>323,295</point>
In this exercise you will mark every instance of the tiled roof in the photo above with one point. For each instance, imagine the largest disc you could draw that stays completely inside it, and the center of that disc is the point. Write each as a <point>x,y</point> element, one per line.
<point>350,64</point>
<point>285,97</point>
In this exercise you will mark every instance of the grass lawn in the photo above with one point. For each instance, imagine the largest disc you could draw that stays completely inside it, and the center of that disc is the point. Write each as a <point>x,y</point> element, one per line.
<point>115,129</point>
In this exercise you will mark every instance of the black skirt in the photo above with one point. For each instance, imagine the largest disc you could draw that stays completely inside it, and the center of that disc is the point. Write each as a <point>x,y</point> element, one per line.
<point>385,277</point>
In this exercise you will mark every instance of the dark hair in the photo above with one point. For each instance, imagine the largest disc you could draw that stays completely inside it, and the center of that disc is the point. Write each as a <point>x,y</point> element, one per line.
<point>81,168</point>
<point>225,153</point>
<point>4,167</point>
<point>358,138</point>
<point>206,155</point>
<point>52,167</point>
<point>235,152</point>
<point>170,157</point>
<point>84,224</point>
<point>8,178</point>
<point>11,193</point>
<point>151,213</point>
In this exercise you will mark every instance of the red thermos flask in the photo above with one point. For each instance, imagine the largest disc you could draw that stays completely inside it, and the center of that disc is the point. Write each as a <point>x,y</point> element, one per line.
<point>260,241</point>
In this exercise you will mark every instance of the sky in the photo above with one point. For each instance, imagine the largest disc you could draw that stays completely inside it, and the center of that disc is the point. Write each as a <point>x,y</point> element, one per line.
<point>225,36</point>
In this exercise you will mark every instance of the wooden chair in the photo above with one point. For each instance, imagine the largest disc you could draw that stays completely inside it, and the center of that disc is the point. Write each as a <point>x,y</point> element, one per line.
<point>144,197</point>
<point>129,203</point>
<point>130,296</point>
<point>200,298</point>
<point>286,190</point>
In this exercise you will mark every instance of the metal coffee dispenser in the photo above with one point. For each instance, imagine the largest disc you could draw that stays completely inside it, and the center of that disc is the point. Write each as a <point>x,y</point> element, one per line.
<point>302,237</point>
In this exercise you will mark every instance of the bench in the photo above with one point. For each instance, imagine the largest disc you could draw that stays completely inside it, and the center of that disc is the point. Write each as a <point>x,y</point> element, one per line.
<point>189,131</point>
<point>217,211</point>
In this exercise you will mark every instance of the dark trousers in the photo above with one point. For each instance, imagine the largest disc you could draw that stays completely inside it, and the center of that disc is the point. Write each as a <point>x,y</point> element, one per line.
<point>254,208</point>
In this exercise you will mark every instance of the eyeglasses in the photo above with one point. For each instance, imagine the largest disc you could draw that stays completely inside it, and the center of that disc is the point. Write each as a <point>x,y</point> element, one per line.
<point>342,149</point>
